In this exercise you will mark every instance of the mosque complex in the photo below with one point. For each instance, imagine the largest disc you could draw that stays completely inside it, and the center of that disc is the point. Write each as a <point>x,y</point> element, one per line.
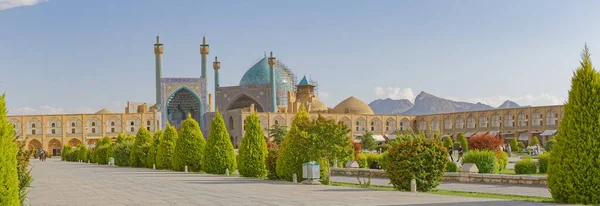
<point>272,90</point>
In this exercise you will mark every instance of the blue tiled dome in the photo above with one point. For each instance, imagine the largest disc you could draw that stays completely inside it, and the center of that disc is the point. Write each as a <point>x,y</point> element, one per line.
<point>260,74</point>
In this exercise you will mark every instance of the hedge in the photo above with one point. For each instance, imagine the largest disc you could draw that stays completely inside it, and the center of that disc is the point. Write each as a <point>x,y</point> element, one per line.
<point>485,160</point>
<point>525,166</point>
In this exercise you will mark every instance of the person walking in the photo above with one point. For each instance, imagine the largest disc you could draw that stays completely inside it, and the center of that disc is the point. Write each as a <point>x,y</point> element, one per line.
<point>450,150</point>
<point>508,150</point>
<point>460,153</point>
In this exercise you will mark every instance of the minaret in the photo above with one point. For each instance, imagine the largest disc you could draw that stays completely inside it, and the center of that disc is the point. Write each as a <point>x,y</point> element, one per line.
<point>204,54</point>
<point>272,62</point>
<point>158,52</point>
<point>216,66</point>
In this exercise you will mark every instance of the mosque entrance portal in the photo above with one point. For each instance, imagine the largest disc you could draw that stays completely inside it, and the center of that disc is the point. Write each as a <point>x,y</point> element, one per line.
<point>244,101</point>
<point>180,104</point>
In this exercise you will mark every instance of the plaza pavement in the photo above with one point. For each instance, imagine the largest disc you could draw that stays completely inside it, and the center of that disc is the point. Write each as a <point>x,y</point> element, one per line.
<point>69,183</point>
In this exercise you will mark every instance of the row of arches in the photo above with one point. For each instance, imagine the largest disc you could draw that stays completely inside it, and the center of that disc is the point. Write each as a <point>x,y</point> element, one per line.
<point>54,146</point>
<point>74,126</point>
<point>497,120</point>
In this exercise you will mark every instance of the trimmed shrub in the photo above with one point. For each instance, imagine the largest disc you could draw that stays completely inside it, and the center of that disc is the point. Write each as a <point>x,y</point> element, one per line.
<point>189,147</point>
<point>90,154</point>
<point>253,150</point>
<point>502,160</point>
<point>448,142</point>
<point>416,158</point>
<point>514,145</point>
<point>534,141</point>
<point>293,152</point>
<point>451,167</point>
<point>485,160</point>
<point>65,152</point>
<point>272,161</point>
<point>521,146</point>
<point>82,152</point>
<point>104,152</point>
<point>140,148</point>
<point>152,152</point>
<point>462,140</point>
<point>549,144</point>
<point>366,159</point>
<point>219,154</point>
<point>543,162</point>
<point>166,148</point>
<point>484,142</point>
<point>362,161</point>
<point>123,151</point>
<point>9,174</point>
<point>525,166</point>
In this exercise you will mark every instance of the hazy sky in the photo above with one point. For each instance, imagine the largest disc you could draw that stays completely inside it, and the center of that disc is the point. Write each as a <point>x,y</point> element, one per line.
<point>72,56</point>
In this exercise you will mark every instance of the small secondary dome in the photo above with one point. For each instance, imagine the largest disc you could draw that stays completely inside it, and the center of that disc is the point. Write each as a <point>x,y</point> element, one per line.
<point>318,106</point>
<point>104,111</point>
<point>352,105</point>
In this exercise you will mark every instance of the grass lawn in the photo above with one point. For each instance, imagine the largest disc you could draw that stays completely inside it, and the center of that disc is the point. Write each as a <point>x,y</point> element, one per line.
<point>461,193</point>
<point>512,172</point>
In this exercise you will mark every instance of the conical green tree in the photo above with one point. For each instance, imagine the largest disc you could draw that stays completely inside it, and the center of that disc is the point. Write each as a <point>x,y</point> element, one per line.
<point>9,178</point>
<point>252,159</point>
<point>141,146</point>
<point>219,153</point>
<point>574,164</point>
<point>190,146</point>
<point>535,141</point>
<point>294,151</point>
<point>151,159</point>
<point>166,148</point>
<point>462,140</point>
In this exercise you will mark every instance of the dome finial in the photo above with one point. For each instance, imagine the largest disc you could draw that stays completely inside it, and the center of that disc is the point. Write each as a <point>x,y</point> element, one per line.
<point>204,40</point>
<point>157,39</point>
<point>265,54</point>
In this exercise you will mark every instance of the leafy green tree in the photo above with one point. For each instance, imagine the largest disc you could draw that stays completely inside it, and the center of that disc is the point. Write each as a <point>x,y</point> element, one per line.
<point>535,141</point>
<point>141,145</point>
<point>253,151</point>
<point>574,166</point>
<point>462,140</point>
<point>23,157</point>
<point>293,151</point>
<point>82,152</point>
<point>277,133</point>
<point>123,152</point>
<point>367,141</point>
<point>9,174</point>
<point>219,153</point>
<point>329,141</point>
<point>166,148</point>
<point>448,142</point>
<point>550,144</point>
<point>190,146</point>
<point>514,145</point>
<point>151,159</point>
<point>65,152</point>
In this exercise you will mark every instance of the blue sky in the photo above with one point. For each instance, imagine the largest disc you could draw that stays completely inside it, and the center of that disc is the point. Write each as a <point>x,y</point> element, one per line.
<point>64,56</point>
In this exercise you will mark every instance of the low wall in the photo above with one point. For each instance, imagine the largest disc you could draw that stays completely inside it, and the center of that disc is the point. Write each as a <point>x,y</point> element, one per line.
<point>454,177</point>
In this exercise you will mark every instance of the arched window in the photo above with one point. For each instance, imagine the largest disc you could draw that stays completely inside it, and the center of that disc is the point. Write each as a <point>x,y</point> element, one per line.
<point>93,124</point>
<point>276,122</point>
<point>93,130</point>
<point>112,123</point>
<point>132,123</point>
<point>32,125</point>
<point>72,124</point>
<point>148,123</point>
<point>231,122</point>
<point>148,128</point>
<point>53,125</point>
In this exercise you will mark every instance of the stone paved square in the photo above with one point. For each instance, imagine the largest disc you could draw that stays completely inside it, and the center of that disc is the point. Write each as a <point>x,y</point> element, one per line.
<point>69,183</point>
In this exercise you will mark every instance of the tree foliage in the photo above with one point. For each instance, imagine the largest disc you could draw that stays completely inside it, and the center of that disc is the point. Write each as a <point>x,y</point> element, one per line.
<point>574,164</point>
<point>293,151</point>
<point>277,133</point>
<point>272,160</point>
<point>329,141</point>
<point>417,158</point>
<point>550,143</point>
<point>253,150</point>
<point>534,141</point>
<point>25,178</point>
<point>219,154</point>
<point>123,151</point>
<point>514,145</point>
<point>82,152</point>
<point>485,142</point>
<point>141,146</point>
<point>357,150</point>
<point>448,143</point>
<point>367,141</point>
<point>9,174</point>
<point>152,152</point>
<point>190,146</point>
<point>166,148</point>
<point>462,140</point>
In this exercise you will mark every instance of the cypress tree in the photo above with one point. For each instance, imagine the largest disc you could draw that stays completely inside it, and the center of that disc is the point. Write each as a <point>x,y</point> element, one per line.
<point>166,148</point>
<point>535,141</point>
<point>574,164</point>
<point>293,151</point>
<point>189,147</point>
<point>462,140</point>
<point>151,159</point>
<point>218,153</point>
<point>9,178</point>
<point>514,145</point>
<point>253,151</point>
<point>141,145</point>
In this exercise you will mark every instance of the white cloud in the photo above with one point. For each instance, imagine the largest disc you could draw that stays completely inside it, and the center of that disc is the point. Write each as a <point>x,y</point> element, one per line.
<point>494,101</point>
<point>8,4</point>
<point>395,93</point>
<point>323,95</point>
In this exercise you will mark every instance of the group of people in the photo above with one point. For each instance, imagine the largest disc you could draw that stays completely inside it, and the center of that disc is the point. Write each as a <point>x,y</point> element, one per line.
<point>41,154</point>
<point>460,152</point>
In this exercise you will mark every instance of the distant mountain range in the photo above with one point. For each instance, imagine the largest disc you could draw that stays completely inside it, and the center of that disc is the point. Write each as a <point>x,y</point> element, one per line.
<point>429,104</point>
